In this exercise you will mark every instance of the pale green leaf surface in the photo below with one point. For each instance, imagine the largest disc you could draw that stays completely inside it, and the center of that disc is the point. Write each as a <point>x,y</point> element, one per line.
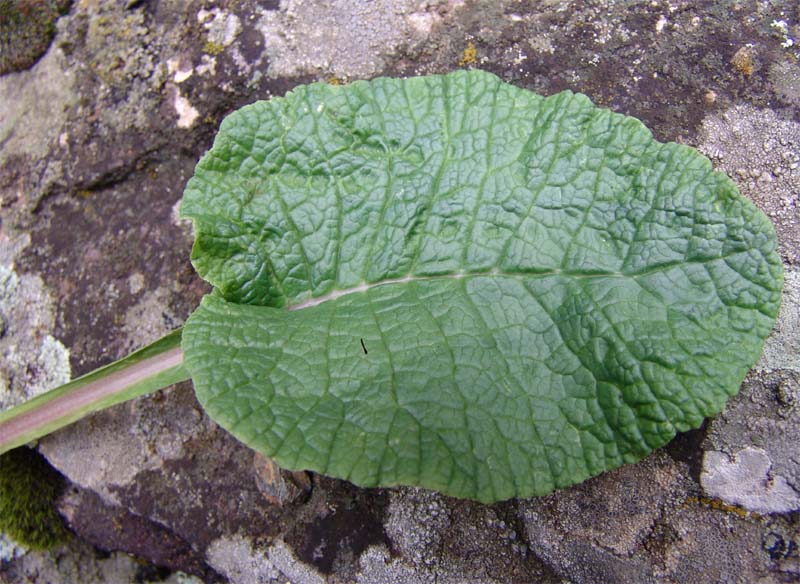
<point>544,291</point>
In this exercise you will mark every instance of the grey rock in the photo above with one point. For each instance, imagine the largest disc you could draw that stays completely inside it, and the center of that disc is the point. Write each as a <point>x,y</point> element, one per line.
<point>76,562</point>
<point>34,107</point>
<point>746,479</point>
<point>105,454</point>
<point>644,523</point>
<point>239,562</point>
<point>597,531</point>
<point>760,150</point>
<point>96,143</point>
<point>436,538</point>
<point>158,478</point>
<point>782,348</point>
<point>344,38</point>
<point>33,360</point>
<point>751,448</point>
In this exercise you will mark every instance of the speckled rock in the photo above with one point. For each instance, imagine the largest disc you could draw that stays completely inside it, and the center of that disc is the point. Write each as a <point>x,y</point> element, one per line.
<point>782,349</point>
<point>751,449</point>
<point>436,538</point>
<point>33,360</point>
<point>747,478</point>
<point>645,523</point>
<point>761,152</point>
<point>97,140</point>
<point>158,478</point>
<point>356,38</point>
<point>78,561</point>
<point>26,29</point>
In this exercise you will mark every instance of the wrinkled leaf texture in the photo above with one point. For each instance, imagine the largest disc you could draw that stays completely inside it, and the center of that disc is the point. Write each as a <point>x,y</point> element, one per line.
<point>452,282</point>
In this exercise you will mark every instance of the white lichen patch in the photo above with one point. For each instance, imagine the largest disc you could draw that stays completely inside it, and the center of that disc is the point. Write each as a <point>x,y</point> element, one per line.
<point>149,319</point>
<point>746,479</point>
<point>284,559</point>
<point>761,152</point>
<point>421,22</point>
<point>10,549</point>
<point>345,38</point>
<point>76,562</point>
<point>33,360</point>
<point>242,563</point>
<point>782,348</point>
<point>377,564</point>
<point>782,27</point>
<point>542,44</point>
<point>428,537</point>
<point>235,558</point>
<point>135,282</point>
<point>187,113</point>
<point>180,70</point>
<point>222,27</point>
<point>417,521</point>
<point>207,66</point>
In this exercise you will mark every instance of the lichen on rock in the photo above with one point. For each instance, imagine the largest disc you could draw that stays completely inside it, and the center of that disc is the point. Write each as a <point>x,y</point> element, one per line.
<point>746,479</point>
<point>26,29</point>
<point>33,360</point>
<point>96,113</point>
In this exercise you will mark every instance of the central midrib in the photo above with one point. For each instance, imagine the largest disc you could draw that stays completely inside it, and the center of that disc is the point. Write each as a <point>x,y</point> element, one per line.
<point>364,287</point>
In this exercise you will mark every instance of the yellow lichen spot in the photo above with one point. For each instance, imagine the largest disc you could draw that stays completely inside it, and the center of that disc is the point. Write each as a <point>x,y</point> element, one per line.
<point>743,61</point>
<point>718,505</point>
<point>213,48</point>
<point>335,81</point>
<point>470,56</point>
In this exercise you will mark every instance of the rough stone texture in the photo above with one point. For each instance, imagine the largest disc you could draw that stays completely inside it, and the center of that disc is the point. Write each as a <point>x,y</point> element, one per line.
<point>782,349</point>
<point>97,140</point>
<point>33,360</point>
<point>762,153</point>
<point>597,533</point>
<point>26,29</point>
<point>644,523</point>
<point>435,538</point>
<point>158,479</point>
<point>357,39</point>
<point>751,456</point>
<point>34,110</point>
<point>78,561</point>
<point>747,478</point>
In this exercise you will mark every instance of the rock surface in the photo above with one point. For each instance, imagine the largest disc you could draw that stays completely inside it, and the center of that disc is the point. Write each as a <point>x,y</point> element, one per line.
<point>97,140</point>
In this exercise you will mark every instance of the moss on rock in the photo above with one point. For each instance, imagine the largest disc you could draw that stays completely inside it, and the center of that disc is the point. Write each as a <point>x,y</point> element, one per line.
<point>28,490</point>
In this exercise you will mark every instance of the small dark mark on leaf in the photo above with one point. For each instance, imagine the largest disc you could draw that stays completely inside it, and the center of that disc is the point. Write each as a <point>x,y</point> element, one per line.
<point>363,346</point>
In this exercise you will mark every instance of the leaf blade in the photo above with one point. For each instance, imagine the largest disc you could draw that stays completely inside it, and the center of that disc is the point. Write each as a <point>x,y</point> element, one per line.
<point>472,341</point>
<point>571,256</point>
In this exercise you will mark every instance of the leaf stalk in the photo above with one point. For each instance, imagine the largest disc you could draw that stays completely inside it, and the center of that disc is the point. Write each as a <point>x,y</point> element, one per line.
<point>149,369</point>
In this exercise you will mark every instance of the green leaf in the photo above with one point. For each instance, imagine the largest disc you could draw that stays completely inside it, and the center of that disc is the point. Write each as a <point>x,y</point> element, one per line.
<point>452,282</point>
